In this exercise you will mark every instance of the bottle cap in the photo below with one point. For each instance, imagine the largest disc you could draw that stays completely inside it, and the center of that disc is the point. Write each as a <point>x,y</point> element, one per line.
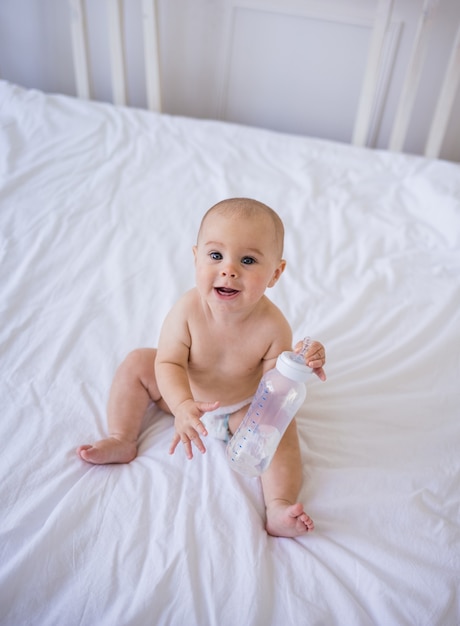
<point>288,364</point>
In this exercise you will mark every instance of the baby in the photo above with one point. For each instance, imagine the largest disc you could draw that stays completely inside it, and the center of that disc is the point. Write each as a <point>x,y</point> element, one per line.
<point>224,329</point>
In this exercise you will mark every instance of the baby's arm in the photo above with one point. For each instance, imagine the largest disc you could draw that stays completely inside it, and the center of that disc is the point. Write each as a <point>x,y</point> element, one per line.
<point>277,327</point>
<point>315,357</point>
<point>171,373</point>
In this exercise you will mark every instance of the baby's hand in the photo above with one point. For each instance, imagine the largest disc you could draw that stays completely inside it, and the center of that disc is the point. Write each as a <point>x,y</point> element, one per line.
<point>189,427</point>
<point>314,358</point>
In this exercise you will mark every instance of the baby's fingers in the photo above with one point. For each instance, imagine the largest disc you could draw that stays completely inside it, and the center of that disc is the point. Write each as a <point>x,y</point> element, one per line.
<point>319,371</point>
<point>187,444</point>
<point>315,358</point>
<point>198,444</point>
<point>174,442</point>
<point>316,355</point>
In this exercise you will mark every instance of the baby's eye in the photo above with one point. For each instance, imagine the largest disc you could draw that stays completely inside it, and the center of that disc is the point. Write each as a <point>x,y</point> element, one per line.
<point>248,260</point>
<point>215,256</point>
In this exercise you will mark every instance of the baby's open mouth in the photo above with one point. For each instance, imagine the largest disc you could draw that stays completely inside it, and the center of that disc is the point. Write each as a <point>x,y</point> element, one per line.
<point>226,291</point>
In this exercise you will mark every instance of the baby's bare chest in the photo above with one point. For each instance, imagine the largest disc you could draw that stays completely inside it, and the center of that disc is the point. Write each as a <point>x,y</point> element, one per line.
<point>219,379</point>
<point>221,363</point>
<point>219,359</point>
<point>225,356</point>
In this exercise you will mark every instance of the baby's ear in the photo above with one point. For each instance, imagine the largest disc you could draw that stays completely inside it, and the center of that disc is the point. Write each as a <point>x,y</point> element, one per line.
<point>277,273</point>
<point>194,250</point>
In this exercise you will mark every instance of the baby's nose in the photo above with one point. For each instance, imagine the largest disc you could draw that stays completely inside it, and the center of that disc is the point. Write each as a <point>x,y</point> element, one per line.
<point>228,270</point>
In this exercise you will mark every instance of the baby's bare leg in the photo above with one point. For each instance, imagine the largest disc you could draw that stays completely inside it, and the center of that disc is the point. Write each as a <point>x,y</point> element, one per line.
<point>281,485</point>
<point>133,389</point>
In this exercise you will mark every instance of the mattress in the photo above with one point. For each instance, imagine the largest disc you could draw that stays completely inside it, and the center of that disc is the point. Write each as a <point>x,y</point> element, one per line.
<point>99,209</point>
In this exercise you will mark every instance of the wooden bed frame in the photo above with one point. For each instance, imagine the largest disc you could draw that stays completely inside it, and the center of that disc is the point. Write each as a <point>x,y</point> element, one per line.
<point>380,18</point>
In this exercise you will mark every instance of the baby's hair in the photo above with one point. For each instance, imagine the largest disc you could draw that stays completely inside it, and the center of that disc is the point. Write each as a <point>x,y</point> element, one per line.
<point>247,207</point>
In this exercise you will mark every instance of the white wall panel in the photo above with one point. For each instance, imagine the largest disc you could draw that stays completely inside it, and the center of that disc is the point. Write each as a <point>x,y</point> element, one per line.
<point>294,74</point>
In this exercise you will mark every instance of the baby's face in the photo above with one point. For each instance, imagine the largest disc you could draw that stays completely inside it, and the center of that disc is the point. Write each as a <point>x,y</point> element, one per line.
<point>236,259</point>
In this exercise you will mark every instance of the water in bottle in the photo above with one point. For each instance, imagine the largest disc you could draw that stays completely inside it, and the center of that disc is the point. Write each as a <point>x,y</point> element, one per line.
<point>279,396</point>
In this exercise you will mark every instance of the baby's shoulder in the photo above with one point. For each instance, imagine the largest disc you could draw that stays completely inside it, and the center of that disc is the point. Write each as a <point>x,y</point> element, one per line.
<point>275,328</point>
<point>189,299</point>
<point>273,314</point>
<point>181,310</point>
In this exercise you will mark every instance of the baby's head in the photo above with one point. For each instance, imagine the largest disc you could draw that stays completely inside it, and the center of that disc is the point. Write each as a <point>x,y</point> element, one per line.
<point>246,209</point>
<point>238,253</point>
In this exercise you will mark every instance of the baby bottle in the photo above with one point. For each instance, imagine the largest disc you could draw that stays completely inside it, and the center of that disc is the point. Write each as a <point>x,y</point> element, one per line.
<point>279,396</point>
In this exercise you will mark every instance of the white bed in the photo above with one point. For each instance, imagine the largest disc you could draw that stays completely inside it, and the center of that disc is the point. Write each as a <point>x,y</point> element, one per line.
<point>99,207</point>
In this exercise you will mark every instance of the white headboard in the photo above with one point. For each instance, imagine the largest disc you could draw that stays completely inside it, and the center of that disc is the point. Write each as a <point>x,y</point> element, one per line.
<point>377,16</point>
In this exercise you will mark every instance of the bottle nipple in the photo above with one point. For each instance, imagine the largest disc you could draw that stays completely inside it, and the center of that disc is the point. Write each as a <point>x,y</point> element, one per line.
<point>299,357</point>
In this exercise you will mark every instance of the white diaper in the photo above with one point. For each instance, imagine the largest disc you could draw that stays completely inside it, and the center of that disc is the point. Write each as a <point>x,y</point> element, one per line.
<point>216,422</point>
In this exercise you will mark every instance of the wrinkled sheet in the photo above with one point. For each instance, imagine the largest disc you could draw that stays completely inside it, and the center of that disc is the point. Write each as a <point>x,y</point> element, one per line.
<point>99,208</point>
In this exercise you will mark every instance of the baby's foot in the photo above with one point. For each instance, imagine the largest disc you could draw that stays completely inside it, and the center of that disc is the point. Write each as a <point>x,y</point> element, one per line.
<point>110,450</point>
<point>288,520</point>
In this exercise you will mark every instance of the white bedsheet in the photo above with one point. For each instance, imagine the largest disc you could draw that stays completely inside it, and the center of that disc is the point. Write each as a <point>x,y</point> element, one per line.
<point>99,208</point>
